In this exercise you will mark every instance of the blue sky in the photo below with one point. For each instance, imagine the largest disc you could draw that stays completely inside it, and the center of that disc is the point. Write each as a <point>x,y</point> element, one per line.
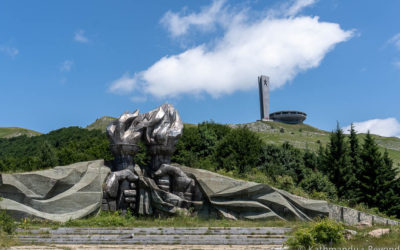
<point>66,63</point>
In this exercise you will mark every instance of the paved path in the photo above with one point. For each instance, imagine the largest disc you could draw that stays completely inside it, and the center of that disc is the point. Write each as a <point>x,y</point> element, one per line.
<point>147,247</point>
<point>159,238</point>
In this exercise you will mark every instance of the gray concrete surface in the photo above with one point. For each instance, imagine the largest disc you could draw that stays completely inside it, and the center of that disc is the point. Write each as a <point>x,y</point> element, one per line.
<point>159,236</point>
<point>58,194</point>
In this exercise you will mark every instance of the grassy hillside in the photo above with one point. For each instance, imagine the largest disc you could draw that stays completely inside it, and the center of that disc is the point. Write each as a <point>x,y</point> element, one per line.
<point>101,123</point>
<point>299,135</point>
<point>305,136</point>
<point>8,132</point>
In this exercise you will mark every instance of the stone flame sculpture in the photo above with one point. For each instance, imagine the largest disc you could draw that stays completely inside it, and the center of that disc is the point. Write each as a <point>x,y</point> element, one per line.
<point>148,189</point>
<point>164,188</point>
<point>124,136</point>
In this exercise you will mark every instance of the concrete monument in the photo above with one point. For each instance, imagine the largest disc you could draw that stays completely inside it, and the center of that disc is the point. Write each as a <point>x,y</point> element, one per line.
<point>160,189</point>
<point>263,88</point>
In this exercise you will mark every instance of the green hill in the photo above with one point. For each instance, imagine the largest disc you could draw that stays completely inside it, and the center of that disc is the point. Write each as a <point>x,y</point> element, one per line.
<point>307,137</point>
<point>8,132</point>
<point>101,123</point>
<point>299,135</point>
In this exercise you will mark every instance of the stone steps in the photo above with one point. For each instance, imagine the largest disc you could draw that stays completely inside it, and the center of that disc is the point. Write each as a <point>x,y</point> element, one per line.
<point>154,236</point>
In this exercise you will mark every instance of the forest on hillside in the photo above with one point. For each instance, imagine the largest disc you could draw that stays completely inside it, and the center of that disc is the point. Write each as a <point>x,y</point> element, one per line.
<point>345,171</point>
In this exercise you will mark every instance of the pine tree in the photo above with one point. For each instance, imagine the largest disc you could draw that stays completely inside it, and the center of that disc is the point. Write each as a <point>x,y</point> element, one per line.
<point>371,175</point>
<point>337,163</point>
<point>390,200</point>
<point>356,164</point>
<point>321,159</point>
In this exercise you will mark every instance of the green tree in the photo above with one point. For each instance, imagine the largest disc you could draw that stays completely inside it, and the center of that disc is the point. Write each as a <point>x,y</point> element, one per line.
<point>316,182</point>
<point>390,196</point>
<point>187,147</point>
<point>197,147</point>
<point>239,150</point>
<point>3,166</point>
<point>47,156</point>
<point>59,147</point>
<point>356,164</point>
<point>371,174</point>
<point>311,160</point>
<point>337,164</point>
<point>282,160</point>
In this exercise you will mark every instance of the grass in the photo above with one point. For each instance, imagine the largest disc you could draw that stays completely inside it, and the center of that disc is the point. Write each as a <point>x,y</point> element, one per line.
<point>8,132</point>
<point>101,123</point>
<point>6,240</point>
<point>109,219</point>
<point>362,240</point>
<point>300,135</point>
<point>304,136</point>
<point>112,220</point>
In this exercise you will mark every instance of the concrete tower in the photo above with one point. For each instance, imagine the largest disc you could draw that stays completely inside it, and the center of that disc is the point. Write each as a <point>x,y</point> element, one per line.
<point>263,87</point>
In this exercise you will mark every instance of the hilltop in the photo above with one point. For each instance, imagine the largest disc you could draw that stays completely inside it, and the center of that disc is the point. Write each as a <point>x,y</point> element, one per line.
<point>301,136</point>
<point>304,136</point>
<point>9,132</point>
<point>101,123</point>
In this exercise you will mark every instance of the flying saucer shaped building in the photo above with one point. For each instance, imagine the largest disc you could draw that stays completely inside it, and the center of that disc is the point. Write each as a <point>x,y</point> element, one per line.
<point>286,116</point>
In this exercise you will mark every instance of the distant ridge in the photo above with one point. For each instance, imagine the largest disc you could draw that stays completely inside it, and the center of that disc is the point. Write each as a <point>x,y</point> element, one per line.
<point>9,132</point>
<point>101,123</point>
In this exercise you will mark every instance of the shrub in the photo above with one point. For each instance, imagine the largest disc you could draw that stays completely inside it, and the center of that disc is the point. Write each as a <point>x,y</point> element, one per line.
<point>7,223</point>
<point>322,232</point>
<point>303,239</point>
<point>285,182</point>
<point>327,231</point>
<point>317,183</point>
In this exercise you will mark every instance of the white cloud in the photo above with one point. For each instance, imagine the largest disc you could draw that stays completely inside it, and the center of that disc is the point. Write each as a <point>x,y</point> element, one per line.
<point>278,46</point>
<point>9,51</point>
<point>80,37</point>
<point>383,127</point>
<point>123,85</point>
<point>298,6</point>
<point>66,66</point>
<point>179,24</point>
<point>395,40</point>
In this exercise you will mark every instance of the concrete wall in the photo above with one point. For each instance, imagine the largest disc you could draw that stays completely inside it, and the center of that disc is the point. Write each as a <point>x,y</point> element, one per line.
<point>351,216</point>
